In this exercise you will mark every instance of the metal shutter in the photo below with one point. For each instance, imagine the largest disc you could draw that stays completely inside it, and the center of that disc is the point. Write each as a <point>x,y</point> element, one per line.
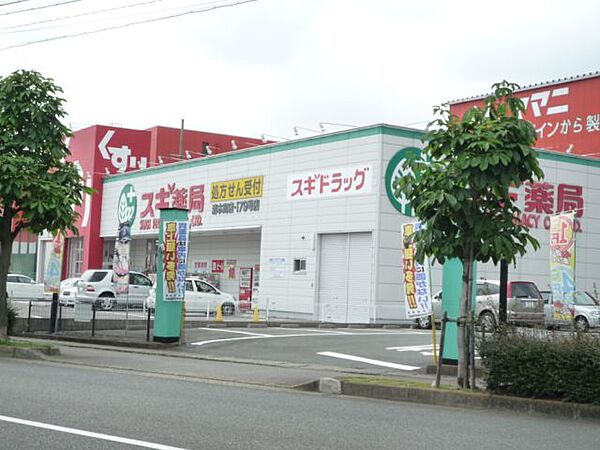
<point>359,277</point>
<point>333,282</point>
<point>345,266</point>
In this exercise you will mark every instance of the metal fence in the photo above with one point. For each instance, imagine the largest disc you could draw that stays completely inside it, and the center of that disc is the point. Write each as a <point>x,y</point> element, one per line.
<point>91,320</point>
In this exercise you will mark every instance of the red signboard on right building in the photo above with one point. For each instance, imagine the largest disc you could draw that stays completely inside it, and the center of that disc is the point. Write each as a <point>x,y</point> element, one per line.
<point>565,113</point>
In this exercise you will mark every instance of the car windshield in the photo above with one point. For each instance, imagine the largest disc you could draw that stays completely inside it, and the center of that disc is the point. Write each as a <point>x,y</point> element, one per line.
<point>583,299</point>
<point>93,276</point>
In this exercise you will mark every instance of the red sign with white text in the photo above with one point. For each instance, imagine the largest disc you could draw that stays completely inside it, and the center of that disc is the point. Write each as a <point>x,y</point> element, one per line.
<point>566,115</point>
<point>539,201</point>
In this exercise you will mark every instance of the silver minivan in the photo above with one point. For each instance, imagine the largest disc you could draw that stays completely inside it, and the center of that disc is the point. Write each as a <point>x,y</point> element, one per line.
<point>524,304</point>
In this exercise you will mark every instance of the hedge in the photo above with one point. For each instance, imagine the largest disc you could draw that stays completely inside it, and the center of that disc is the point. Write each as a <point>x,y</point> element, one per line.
<point>542,365</point>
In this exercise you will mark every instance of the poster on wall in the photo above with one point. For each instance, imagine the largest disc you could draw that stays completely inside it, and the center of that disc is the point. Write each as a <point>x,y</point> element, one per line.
<point>121,259</point>
<point>416,277</point>
<point>200,266</point>
<point>175,252</point>
<point>218,266</point>
<point>562,265</point>
<point>230,264</point>
<point>276,267</point>
<point>53,268</point>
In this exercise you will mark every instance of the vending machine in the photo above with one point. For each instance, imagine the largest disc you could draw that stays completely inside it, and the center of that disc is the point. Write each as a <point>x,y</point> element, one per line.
<point>245,295</point>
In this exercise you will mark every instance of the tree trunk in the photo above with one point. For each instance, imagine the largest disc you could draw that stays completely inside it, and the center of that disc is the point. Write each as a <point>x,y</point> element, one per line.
<point>463,343</point>
<point>5,254</point>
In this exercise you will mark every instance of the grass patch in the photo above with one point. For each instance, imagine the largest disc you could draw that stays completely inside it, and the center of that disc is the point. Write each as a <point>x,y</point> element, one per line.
<point>386,381</point>
<point>24,344</point>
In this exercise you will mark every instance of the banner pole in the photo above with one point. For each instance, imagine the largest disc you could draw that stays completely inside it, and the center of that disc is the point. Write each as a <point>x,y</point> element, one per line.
<point>434,339</point>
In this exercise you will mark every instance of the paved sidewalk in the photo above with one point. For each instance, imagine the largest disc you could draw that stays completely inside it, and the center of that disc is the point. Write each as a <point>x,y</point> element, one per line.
<point>177,362</point>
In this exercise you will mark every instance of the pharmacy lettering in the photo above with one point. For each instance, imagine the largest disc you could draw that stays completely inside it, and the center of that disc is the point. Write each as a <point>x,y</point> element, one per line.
<point>175,250</point>
<point>331,182</point>
<point>543,199</point>
<point>236,196</point>
<point>172,196</point>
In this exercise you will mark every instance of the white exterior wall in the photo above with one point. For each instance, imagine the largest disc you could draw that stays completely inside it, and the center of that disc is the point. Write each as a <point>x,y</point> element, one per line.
<point>535,266</point>
<point>289,228</point>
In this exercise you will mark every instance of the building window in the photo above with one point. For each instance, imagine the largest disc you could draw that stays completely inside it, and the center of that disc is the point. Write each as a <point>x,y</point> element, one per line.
<point>75,258</point>
<point>299,265</point>
<point>151,251</point>
<point>108,250</point>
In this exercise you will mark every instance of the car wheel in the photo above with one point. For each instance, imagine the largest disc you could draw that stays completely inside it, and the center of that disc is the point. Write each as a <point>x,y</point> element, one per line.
<point>581,324</point>
<point>107,302</point>
<point>487,321</point>
<point>424,322</point>
<point>227,309</point>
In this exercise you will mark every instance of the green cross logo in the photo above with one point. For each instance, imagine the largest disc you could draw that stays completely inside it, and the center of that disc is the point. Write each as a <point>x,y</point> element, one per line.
<point>394,170</point>
<point>127,206</point>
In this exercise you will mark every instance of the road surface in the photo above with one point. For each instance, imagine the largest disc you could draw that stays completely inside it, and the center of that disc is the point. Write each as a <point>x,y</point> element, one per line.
<point>52,406</point>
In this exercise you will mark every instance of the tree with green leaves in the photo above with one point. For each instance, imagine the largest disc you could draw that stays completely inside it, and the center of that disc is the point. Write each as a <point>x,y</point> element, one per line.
<point>39,188</point>
<point>459,189</point>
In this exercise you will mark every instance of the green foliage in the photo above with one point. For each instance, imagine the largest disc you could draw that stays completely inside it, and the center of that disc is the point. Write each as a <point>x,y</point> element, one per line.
<point>38,187</point>
<point>541,366</point>
<point>459,187</point>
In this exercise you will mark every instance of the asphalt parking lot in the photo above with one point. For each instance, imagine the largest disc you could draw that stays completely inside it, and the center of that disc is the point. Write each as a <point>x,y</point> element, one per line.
<point>399,350</point>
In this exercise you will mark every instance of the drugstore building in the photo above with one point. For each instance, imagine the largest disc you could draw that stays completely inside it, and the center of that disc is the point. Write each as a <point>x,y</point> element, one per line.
<point>310,228</point>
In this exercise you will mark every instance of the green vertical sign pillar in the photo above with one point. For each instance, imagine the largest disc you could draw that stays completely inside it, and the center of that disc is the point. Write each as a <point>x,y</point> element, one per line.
<point>452,273</point>
<point>167,314</point>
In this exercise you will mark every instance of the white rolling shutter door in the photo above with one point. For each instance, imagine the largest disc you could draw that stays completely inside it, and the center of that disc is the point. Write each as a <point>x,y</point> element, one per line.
<point>333,277</point>
<point>345,277</point>
<point>359,277</point>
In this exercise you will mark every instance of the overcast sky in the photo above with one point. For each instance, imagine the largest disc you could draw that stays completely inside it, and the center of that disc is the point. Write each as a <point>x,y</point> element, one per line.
<point>269,65</point>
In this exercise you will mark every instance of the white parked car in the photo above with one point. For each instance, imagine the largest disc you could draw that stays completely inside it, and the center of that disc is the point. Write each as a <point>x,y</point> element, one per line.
<point>524,304</point>
<point>97,286</point>
<point>200,297</point>
<point>68,291</point>
<point>22,287</point>
<point>586,312</point>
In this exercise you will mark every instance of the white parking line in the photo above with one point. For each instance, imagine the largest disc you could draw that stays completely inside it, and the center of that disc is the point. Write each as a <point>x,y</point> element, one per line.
<point>212,341</point>
<point>236,331</point>
<point>274,336</point>
<point>90,434</point>
<point>318,331</point>
<point>412,348</point>
<point>374,362</point>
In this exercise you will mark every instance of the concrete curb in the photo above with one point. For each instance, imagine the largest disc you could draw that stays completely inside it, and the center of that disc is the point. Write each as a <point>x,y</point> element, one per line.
<point>473,400</point>
<point>101,341</point>
<point>28,353</point>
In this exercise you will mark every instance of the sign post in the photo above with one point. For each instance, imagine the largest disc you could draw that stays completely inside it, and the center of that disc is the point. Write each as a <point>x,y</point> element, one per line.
<point>172,269</point>
<point>452,273</point>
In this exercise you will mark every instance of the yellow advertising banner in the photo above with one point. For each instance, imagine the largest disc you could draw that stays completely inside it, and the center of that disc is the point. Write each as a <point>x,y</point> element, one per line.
<point>562,265</point>
<point>242,188</point>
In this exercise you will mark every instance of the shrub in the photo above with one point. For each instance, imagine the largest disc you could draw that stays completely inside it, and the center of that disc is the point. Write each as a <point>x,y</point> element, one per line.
<point>542,365</point>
